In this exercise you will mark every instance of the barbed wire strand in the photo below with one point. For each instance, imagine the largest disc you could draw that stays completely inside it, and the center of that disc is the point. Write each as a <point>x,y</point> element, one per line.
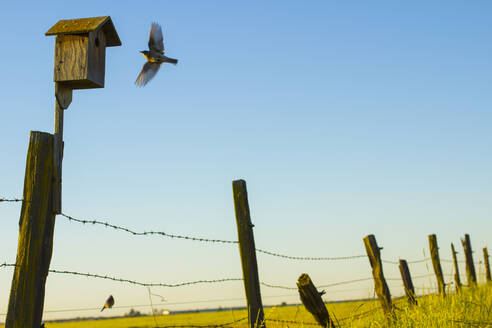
<point>165,234</point>
<point>360,315</point>
<point>308,258</point>
<point>422,261</point>
<point>133,282</point>
<point>144,233</point>
<point>350,317</point>
<point>293,322</point>
<point>225,324</point>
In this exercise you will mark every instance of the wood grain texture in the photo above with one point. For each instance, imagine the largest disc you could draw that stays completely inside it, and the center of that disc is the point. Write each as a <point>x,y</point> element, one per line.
<point>313,302</point>
<point>36,226</point>
<point>457,280</point>
<point>436,263</point>
<point>407,282</point>
<point>380,285</point>
<point>470,266</point>
<point>78,63</point>
<point>247,250</point>
<point>71,57</point>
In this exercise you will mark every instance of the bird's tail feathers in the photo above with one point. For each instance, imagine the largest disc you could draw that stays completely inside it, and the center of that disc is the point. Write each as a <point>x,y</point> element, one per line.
<point>171,60</point>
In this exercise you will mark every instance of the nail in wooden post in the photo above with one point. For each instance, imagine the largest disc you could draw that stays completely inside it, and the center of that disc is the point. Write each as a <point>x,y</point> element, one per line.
<point>247,251</point>
<point>436,263</point>
<point>487,265</point>
<point>407,282</point>
<point>311,299</point>
<point>380,285</point>
<point>457,280</point>
<point>470,266</point>
<point>36,225</point>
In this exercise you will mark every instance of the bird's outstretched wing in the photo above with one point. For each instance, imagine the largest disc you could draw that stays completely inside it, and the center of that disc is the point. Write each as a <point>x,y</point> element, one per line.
<point>149,70</point>
<point>156,41</point>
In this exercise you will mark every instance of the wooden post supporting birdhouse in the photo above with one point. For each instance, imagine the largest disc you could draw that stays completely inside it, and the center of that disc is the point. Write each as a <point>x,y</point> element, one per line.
<point>80,53</point>
<point>80,60</point>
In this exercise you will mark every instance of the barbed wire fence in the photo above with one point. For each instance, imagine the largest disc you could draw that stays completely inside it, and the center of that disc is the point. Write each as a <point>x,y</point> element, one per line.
<point>148,285</point>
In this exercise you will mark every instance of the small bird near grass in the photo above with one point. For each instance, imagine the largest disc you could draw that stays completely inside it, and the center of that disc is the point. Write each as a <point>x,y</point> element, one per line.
<point>109,303</point>
<point>155,56</point>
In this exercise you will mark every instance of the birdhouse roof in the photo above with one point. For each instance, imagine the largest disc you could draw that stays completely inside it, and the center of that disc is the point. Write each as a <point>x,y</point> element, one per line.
<point>86,25</point>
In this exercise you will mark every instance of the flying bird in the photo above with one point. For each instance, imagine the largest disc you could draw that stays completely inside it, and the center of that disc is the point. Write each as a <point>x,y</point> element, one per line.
<point>109,303</point>
<point>155,56</point>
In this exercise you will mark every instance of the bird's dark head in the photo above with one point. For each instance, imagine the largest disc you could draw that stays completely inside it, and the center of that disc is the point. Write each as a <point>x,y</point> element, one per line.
<point>145,53</point>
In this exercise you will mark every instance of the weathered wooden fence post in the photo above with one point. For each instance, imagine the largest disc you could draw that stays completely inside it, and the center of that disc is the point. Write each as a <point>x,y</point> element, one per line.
<point>487,265</point>
<point>247,251</point>
<point>407,282</point>
<point>311,299</point>
<point>457,280</point>
<point>380,285</point>
<point>36,225</point>
<point>436,263</point>
<point>470,266</point>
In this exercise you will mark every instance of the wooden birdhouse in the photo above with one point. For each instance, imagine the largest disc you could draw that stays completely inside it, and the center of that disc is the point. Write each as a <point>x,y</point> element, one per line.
<point>80,50</point>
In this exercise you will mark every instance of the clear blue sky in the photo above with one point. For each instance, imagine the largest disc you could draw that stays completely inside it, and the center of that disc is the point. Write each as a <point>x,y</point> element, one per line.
<point>344,118</point>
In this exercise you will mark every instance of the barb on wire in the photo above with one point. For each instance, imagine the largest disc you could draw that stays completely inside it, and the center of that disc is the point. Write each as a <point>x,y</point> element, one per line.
<point>308,258</point>
<point>11,200</point>
<point>144,233</point>
<point>225,324</point>
<point>7,265</point>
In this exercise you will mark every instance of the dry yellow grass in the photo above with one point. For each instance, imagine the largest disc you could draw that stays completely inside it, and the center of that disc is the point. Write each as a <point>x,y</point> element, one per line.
<point>472,308</point>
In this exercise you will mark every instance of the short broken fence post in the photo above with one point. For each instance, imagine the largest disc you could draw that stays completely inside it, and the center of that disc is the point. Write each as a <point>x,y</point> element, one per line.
<point>470,266</point>
<point>311,299</point>
<point>380,285</point>
<point>407,282</point>
<point>457,280</point>
<point>247,251</point>
<point>487,265</point>
<point>436,263</point>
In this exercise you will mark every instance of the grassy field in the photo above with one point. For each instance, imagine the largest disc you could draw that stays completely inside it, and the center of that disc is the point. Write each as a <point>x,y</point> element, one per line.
<point>472,308</point>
